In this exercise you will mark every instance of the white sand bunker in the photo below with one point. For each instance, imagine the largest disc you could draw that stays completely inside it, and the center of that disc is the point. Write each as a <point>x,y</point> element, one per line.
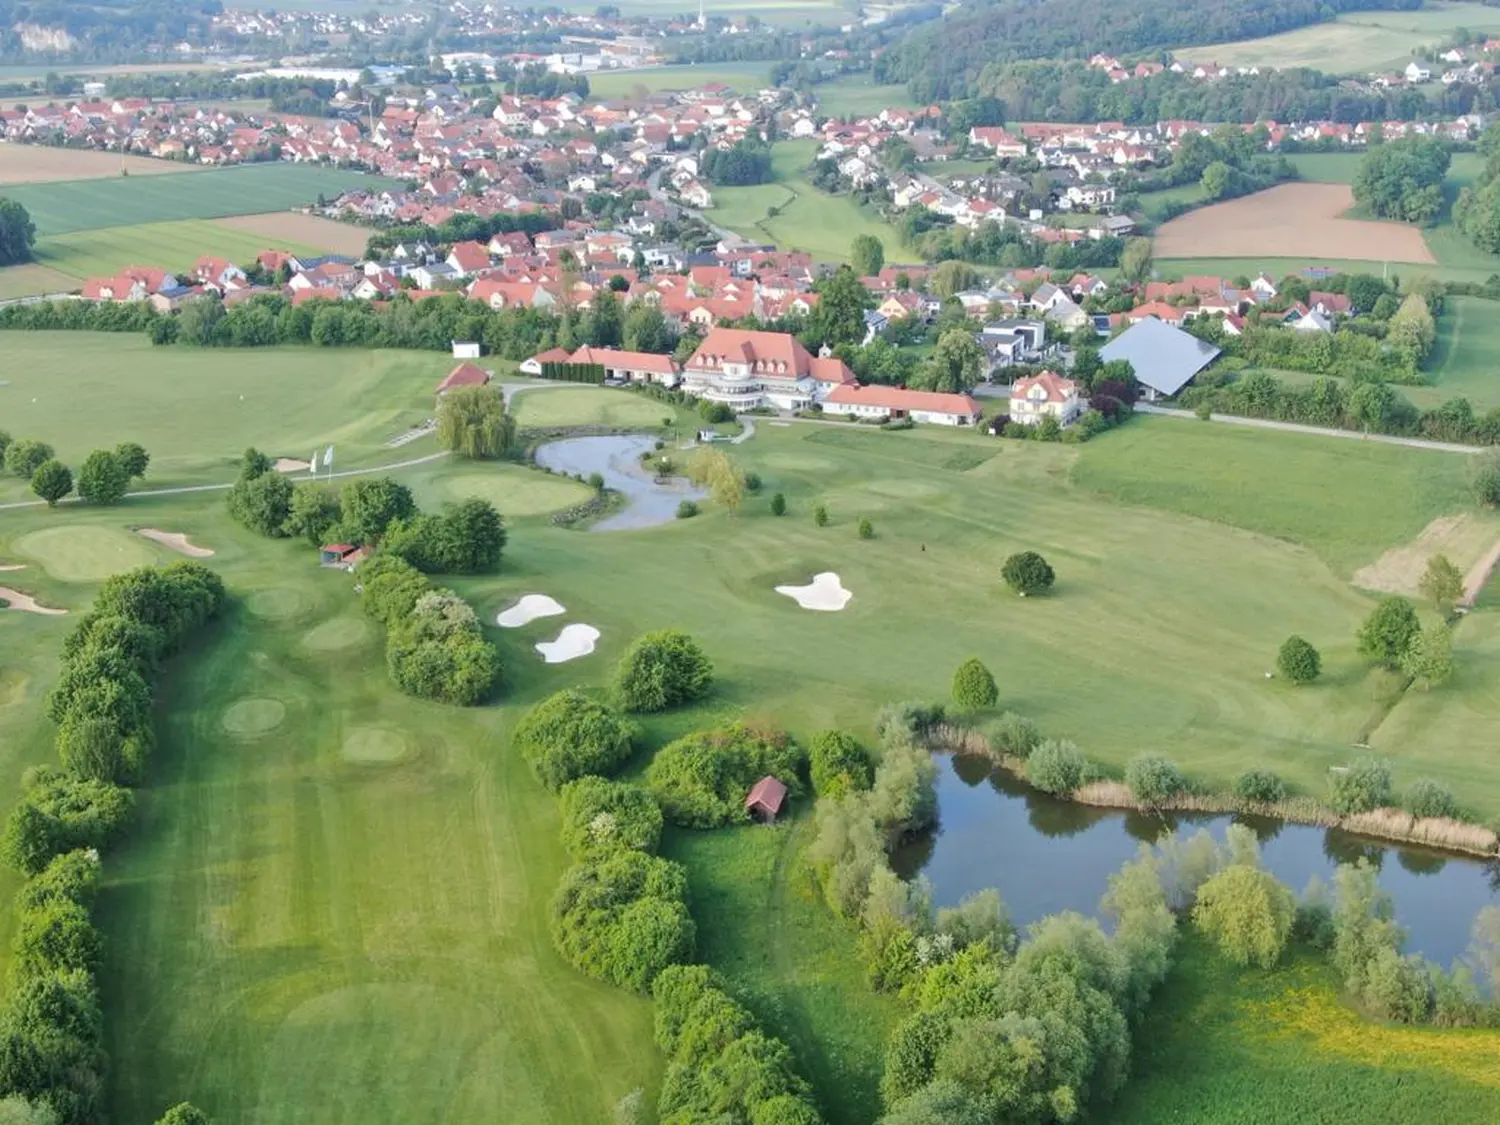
<point>177,541</point>
<point>527,610</point>
<point>824,592</point>
<point>574,641</point>
<point>12,566</point>
<point>291,465</point>
<point>14,599</point>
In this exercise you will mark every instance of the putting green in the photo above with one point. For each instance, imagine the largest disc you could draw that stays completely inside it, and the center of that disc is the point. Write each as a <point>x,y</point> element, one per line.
<point>372,745</point>
<point>278,602</point>
<point>514,492</point>
<point>587,406</point>
<point>85,552</point>
<point>250,717</point>
<point>340,633</point>
<point>12,687</point>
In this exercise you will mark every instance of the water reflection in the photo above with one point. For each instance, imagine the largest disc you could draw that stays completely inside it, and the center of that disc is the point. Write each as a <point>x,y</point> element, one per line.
<point>617,458</point>
<point>1046,855</point>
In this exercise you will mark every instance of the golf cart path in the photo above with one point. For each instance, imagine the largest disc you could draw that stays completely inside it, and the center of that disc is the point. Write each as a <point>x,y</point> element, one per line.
<point>187,488</point>
<point>1318,431</point>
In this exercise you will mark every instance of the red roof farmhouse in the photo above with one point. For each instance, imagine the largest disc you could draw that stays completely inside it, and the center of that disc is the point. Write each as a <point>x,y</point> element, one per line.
<point>626,367</point>
<point>464,375</point>
<point>1038,396</point>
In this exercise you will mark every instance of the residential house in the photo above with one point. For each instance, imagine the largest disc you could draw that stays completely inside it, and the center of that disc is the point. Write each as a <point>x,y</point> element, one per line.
<point>856,401</point>
<point>1042,396</point>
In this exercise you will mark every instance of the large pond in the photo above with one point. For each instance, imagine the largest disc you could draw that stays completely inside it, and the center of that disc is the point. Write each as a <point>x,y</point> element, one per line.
<point>1045,855</point>
<point>617,458</point>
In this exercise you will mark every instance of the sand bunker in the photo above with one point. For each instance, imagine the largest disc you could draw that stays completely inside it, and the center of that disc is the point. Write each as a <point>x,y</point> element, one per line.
<point>574,641</point>
<point>527,610</point>
<point>291,465</point>
<point>825,592</point>
<point>12,566</point>
<point>14,599</point>
<point>250,717</point>
<point>177,541</point>
<point>371,745</point>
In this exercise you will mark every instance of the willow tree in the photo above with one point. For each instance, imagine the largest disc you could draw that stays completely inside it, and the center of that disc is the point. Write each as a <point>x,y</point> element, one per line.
<point>472,422</point>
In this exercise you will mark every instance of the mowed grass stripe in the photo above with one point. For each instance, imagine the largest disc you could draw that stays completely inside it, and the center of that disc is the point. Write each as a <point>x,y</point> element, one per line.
<point>81,205</point>
<point>171,246</point>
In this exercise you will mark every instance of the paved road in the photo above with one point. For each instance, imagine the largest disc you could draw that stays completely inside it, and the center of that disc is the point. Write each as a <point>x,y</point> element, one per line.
<point>186,488</point>
<point>1317,431</point>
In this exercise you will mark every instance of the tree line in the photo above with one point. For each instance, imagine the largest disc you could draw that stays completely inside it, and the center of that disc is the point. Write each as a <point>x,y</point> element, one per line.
<point>102,479</point>
<point>52,1025</point>
<point>945,58</point>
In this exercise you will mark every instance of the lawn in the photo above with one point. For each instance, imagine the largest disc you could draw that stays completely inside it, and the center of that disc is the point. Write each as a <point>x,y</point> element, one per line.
<point>171,245</point>
<point>196,411</point>
<point>86,205</point>
<point>1355,42</point>
<point>808,219</point>
<point>1464,361</point>
<point>334,904</point>
<point>1228,1046</point>
<point>1154,202</point>
<point>539,409</point>
<point>855,95</point>
<point>744,78</point>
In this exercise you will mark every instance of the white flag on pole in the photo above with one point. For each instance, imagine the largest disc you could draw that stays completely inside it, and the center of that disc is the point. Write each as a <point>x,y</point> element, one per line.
<point>328,458</point>
<point>313,464</point>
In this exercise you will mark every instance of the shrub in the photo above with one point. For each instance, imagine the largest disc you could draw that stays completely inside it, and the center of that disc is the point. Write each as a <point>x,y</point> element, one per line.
<point>1297,661</point>
<point>1247,913</point>
<point>1056,766</point>
<point>1154,778</point>
<point>600,817</point>
<point>568,736</point>
<point>1389,631</point>
<point>52,481</point>
<point>866,529</point>
<point>1425,797</point>
<point>71,877</point>
<point>909,719</point>
<point>752,482</point>
<point>687,509</point>
<point>820,516</point>
<point>838,764</point>
<point>391,588</point>
<point>1259,785</point>
<point>56,937</point>
<point>1027,573</point>
<point>973,686</point>
<point>462,670</point>
<point>59,813</point>
<point>778,504</point>
<point>715,413</point>
<point>24,457</point>
<point>701,779</point>
<point>661,670</point>
<point>1013,735</point>
<point>1484,478</point>
<point>596,481</point>
<point>1363,785</point>
<point>623,918</point>
<point>466,538</point>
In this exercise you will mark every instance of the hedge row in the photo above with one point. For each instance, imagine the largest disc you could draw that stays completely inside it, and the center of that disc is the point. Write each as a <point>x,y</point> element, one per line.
<point>434,647</point>
<point>51,1034</point>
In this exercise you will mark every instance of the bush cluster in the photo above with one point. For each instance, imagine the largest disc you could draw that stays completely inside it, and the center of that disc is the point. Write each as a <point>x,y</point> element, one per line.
<point>568,736</point>
<point>1362,785</point>
<point>434,647</point>
<point>838,764</point>
<point>661,670</point>
<point>1154,778</point>
<point>1057,766</point>
<point>600,817</point>
<point>720,1065</point>
<point>701,779</point>
<point>973,686</point>
<point>52,1026</point>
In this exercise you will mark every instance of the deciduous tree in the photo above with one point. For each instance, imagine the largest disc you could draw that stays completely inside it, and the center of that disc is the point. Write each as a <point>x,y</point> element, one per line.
<point>1297,661</point>
<point>103,478</point>
<point>1027,573</point>
<point>1247,913</point>
<point>52,480</point>
<point>1442,583</point>
<point>473,422</point>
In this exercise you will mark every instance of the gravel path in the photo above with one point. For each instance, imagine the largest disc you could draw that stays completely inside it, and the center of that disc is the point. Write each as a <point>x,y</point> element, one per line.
<point>1319,431</point>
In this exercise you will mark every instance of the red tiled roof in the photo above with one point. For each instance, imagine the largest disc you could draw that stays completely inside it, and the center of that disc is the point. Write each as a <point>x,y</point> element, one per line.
<point>768,794</point>
<point>464,375</point>
<point>895,398</point>
<point>768,353</point>
<point>631,361</point>
<point>1058,389</point>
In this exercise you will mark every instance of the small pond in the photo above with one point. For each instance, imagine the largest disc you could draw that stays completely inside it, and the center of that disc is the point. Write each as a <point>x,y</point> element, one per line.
<point>617,458</point>
<point>1045,855</point>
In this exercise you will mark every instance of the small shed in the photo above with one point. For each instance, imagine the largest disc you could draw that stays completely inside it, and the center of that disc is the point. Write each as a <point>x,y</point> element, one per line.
<point>466,349</point>
<point>765,799</point>
<point>335,554</point>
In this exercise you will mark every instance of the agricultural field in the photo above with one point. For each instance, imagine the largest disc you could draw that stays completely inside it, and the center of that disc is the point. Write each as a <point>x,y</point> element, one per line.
<point>1224,1046</point>
<point>86,205</point>
<point>808,219</point>
<point>322,869</point>
<point>1287,220</point>
<point>1355,42</point>
<point>745,78</point>
<point>781,12</point>
<point>302,230</point>
<point>855,95</point>
<point>38,164</point>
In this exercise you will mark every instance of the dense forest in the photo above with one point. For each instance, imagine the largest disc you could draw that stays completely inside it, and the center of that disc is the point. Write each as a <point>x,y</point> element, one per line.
<point>945,59</point>
<point>1074,91</point>
<point>105,29</point>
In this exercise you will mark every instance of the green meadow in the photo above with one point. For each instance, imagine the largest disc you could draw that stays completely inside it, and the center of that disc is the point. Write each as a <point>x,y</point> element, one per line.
<point>742,78</point>
<point>333,904</point>
<point>248,189</point>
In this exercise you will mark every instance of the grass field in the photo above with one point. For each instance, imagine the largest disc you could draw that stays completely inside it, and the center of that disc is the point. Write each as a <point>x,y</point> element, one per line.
<point>854,95</point>
<point>1355,42</point>
<point>808,219</point>
<point>823,13</point>
<point>744,78</point>
<point>85,205</point>
<point>1228,1046</point>
<point>586,406</point>
<point>333,906</point>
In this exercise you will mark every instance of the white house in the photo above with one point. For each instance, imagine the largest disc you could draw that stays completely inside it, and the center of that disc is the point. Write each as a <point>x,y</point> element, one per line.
<point>1416,72</point>
<point>855,401</point>
<point>745,369</point>
<point>1039,396</point>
